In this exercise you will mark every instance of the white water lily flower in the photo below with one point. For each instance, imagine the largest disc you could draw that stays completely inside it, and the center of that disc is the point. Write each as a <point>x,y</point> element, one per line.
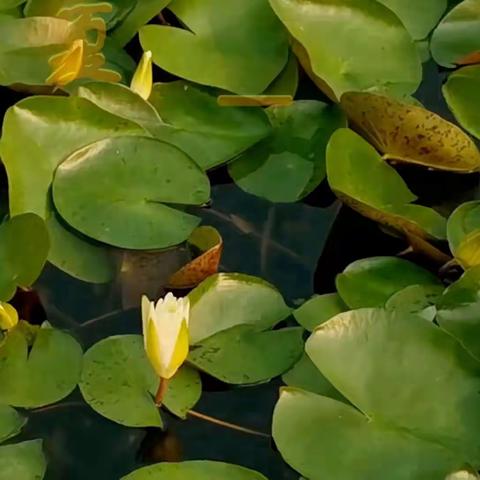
<point>142,81</point>
<point>8,316</point>
<point>165,333</point>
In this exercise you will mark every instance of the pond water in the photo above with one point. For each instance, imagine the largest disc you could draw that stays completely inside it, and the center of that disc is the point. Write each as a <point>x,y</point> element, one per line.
<point>297,247</point>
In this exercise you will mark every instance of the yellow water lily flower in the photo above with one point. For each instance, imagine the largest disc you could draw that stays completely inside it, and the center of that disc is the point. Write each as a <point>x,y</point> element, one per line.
<point>8,316</point>
<point>165,331</point>
<point>142,81</point>
<point>67,65</point>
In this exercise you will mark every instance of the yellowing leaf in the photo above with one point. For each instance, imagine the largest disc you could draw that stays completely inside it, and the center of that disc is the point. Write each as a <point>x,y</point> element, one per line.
<point>408,133</point>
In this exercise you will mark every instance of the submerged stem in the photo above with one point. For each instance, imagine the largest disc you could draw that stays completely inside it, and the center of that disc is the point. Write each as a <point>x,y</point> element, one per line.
<point>162,390</point>
<point>229,425</point>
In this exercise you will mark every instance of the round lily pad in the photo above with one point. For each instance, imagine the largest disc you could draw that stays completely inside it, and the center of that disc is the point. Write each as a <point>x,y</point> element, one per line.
<point>23,461</point>
<point>39,375</point>
<point>11,422</point>
<point>121,191</point>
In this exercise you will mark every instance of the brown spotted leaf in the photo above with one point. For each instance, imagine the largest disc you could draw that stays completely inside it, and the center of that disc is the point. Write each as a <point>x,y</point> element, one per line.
<point>409,133</point>
<point>209,243</point>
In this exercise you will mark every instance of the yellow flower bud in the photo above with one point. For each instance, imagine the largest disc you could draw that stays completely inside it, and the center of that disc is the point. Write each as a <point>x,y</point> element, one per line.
<point>165,332</point>
<point>8,316</point>
<point>142,81</point>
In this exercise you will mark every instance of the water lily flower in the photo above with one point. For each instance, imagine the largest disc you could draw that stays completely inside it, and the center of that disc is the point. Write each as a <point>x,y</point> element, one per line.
<point>142,81</point>
<point>8,316</point>
<point>165,332</point>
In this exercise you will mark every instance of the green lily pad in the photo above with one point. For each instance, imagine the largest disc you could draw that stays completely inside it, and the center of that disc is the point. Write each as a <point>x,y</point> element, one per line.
<point>41,375</point>
<point>393,368</point>
<point>197,470</point>
<point>198,125</point>
<point>119,383</point>
<point>362,31</point>
<point>458,310</point>
<point>419,18</point>
<point>290,163</point>
<point>142,13</point>
<point>229,299</point>
<point>360,178</point>
<point>287,81</point>
<point>243,355</point>
<point>23,461</point>
<point>417,299</point>
<point>11,422</point>
<point>462,93</point>
<point>370,282</point>
<point>220,44</point>
<point>318,310</point>
<point>455,41</point>
<point>306,376</point>
<point>120,190</point>
<point>27,146</point>
<point>464,234</point>
<point>7,4</point>
<point>22,260</point>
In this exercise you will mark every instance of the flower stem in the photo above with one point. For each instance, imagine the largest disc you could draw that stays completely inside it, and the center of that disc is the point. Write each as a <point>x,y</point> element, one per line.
<point>162,390</point>
<point>222,423</point>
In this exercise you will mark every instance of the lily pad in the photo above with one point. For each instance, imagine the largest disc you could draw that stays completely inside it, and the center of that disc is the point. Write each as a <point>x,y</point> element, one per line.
<point>360,178</point>
<point>229,299</point>
<point>462,93</point>
<point>371,282</point>
<point>362,31</point>
<point>287,81</point>
<point>383,362</point>
<point>219,45</point>
<point>195,123</point>
<point>39,375</point>
<point>196,470</point>
<point>464,234</point>
<point>455,41</point>
<point>26,146</point>
<point>242,355</point>
<point>119,383</point>
<point>119,191</point>
<point>290,163</point>
<point>408,133</point>
<point>11,423</point>
<point>318,310</point>
<point>22,260</point>
<point>207,241</point>
<point>458,310</point>
<point>419,18</point>
<point>23,461</point>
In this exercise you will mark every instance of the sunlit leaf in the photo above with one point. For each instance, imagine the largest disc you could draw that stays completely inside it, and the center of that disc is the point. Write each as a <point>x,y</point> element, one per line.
<point>229,299</point>
<point>209,133</point>
<point>455,41</point>
<point>464,234</point>
<point>408,133</point>
<point>198,470</point>
<point>40,374</point>
<point>120,191</point>
<point>362,31</point>
<point>11,423</point>
<point>462,93</point>
<point>23,461</point>
<point>290,163</point>
<point>243,355</point>
<point>365,182</point>
<point>209,245</point>
<point>318,310</point>
<point>21,258</point>
<point>370,282</point>
<point>220,44</point>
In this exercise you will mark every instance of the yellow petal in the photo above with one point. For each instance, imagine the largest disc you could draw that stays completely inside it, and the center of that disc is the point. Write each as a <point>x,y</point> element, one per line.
<point>142,81</point>
<point>67,65</point>
<point>8,316</point>
<point>180,353</point>
<point>152,346</point>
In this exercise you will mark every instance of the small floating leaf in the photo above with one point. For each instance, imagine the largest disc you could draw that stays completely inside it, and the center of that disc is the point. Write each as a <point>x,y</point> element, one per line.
<point>319,309</point>
<point>243,355</point>
<point>209,243</point>
<point>11,423</point>
<point>197,470</point>
<point>119,191</point>
<point>370,282</point>
<point>360,177</point>
<point>229,299</point>
<point>23,461</point>
<point>409,133</point>
<point>455,41</point>
<point>39,375</point>
<point>223,51</point>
